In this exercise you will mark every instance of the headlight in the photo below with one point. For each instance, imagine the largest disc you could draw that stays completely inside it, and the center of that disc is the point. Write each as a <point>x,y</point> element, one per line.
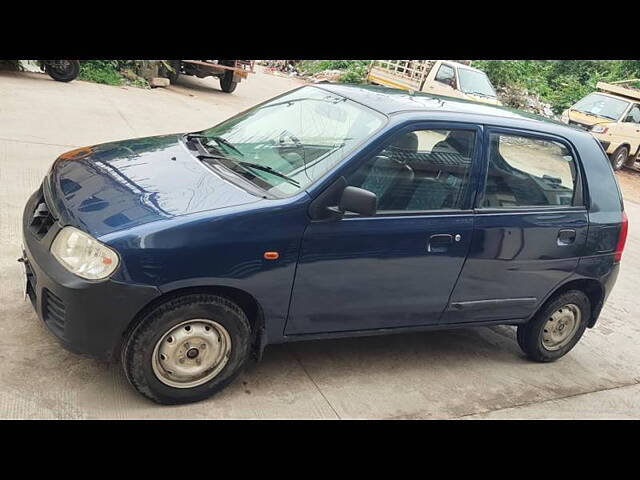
<point>83,255</point>
<point>565,117</point>
<point>599,129</point>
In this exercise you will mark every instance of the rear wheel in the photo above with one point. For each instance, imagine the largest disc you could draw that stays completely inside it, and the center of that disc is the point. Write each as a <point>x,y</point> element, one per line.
<point>556,328</point>
<point>63,70</point>
<point>226,82</point>
<point>620,157</point>
<point>173,74</point>
<point>187,349</point>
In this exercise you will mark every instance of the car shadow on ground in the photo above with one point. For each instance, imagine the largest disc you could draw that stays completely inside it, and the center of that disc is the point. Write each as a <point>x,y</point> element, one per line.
<point>207,85</point>
<point>430,348</point>
<point>289,368</point>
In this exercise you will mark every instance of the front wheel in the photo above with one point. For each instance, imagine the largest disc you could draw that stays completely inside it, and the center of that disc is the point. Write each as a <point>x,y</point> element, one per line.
<point>62,70</point>
<point>556,328</point>
<point>187,349</point>
<point>619,158</point>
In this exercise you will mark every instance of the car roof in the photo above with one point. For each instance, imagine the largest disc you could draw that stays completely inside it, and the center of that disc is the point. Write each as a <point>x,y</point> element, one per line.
<point>393,101</point>
<point>461,65</point>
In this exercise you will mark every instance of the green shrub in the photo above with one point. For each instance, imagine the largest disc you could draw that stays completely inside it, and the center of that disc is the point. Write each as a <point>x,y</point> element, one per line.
<point>558,82</point>
<point>102,71</point>
<point>354,70</point>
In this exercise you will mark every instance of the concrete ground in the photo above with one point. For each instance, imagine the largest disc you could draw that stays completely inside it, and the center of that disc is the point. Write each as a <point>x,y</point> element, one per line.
<point>467,373</point>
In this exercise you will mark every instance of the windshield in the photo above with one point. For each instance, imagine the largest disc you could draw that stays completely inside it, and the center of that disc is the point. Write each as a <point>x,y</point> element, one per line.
<point>602,106</point>
<point>286,144</point>
<point>475,82</point>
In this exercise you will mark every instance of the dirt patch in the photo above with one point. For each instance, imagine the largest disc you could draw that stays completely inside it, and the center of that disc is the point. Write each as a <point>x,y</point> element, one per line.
<point>629,181</point>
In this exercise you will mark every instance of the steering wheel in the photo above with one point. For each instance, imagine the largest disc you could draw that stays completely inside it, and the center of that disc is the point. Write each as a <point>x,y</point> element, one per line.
<point>285,150</point>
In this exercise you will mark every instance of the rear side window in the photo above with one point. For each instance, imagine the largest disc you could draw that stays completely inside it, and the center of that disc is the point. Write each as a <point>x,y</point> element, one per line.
<point>528,172</point>
<point>446,75</point>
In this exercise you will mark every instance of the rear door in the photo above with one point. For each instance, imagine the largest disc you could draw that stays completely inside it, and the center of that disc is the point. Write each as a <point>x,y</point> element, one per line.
<point>530,228</point>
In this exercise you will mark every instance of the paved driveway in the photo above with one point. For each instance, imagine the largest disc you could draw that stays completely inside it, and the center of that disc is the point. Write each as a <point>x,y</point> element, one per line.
<point>467,373</point>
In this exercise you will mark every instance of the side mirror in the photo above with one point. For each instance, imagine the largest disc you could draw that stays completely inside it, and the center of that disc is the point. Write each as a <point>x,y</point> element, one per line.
<point>358,200</point>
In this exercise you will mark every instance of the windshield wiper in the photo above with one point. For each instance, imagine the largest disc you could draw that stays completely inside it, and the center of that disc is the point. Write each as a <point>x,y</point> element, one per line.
<point>257,166</point>
<point>219,140</point>
<point>597,115</point>
<point>479,93</point>
<point>270,170</point>
<point>226,143</point>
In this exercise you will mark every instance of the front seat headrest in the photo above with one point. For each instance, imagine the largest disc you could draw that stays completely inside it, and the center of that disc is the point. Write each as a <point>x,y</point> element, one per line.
<point>407,142</point>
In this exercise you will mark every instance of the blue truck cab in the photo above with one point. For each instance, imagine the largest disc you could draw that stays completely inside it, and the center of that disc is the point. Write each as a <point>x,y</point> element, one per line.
<point>329,211</point>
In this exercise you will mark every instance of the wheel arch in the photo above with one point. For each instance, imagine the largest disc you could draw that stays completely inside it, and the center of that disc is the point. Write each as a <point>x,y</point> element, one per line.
<point>244,299</point>
<point>592,288</point>
<point>623,144</point>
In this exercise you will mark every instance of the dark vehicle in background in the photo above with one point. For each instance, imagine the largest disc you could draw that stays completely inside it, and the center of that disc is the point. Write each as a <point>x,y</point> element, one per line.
<point>230,72</point>
<point>61,70</point>
<point>329,211</point>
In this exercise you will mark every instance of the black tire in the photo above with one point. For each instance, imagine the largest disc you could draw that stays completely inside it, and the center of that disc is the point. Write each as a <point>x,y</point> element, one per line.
<point>529,335</point>
<point>64,73</point>
<point>138,349</point>
<point>226,82</point>
<point>173,76</point>
<point>619,158</point>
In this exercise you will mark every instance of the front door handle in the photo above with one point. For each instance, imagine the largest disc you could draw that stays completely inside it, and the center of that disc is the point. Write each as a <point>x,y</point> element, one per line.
<point>438,243</point>
<point>566,236</point>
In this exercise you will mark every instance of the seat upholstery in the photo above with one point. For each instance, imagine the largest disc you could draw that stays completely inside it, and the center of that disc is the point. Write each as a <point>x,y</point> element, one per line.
<point>431,194</point>
<point>383,174</point>
<point>390,170</point>
<point>459,141</point>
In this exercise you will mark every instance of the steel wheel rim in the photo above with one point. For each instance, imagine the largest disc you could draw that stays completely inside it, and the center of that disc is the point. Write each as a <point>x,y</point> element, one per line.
<point>620,160</point>
<point>561,327</point>
<point>191,353</point>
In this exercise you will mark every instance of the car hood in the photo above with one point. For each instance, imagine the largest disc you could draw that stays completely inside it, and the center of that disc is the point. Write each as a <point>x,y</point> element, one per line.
<point>587,120</point>
<point>113,186</point>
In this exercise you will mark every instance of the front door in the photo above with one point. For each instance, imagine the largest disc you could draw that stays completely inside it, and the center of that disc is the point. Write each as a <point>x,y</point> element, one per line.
<point>397,268</point>
<point>530,229</point>
<point>629,129</point>
<point>444,82</point>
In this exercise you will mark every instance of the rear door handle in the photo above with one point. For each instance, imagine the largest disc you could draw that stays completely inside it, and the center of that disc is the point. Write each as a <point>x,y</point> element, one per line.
<point>566,236</point>
<point>439,242</point>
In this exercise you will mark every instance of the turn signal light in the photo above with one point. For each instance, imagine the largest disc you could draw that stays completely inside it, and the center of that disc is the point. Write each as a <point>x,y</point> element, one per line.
<point>271,255</point>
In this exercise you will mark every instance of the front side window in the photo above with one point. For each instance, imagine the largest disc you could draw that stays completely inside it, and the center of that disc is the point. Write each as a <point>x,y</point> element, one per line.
<point>634,114</point>
<point>602,106</point>
<point>474,82</point>
<point>420,170</point>
<point>446,75</point>
<point>291,141</point>
<point>528,172</point>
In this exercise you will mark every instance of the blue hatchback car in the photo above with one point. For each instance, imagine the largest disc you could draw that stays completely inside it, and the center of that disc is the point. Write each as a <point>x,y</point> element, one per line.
<point>329,211</point>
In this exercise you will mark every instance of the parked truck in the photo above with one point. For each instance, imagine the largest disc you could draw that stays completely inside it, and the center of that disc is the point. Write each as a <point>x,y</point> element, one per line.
<point>440,77</point>
<point>612,115</point>
<point>230,72</point>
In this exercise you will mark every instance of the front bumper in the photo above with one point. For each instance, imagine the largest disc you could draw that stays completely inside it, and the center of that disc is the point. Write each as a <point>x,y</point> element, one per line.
<point>86,316</point>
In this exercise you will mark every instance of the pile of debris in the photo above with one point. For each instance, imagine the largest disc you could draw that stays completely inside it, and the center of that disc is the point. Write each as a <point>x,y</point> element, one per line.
<point>522,99</point>
<point>326,76</point>
<point>290,68</point>
<point>287,67</point>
